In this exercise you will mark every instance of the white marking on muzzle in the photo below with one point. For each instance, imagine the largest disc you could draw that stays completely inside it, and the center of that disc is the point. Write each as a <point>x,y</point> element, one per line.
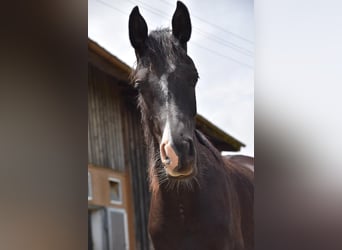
<point>163,83</point>
<point>168,155</point>
<point>166,138</point>
<point>167,130</point>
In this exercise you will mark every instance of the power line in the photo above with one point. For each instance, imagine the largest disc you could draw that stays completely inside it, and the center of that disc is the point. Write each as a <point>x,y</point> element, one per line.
<point>113,7</point>
<point>193,42</point>
<point>221,55</point>
<point>225,43</point>
<point>202,32</point>
<point>214,25</point>
<point>158,12</point>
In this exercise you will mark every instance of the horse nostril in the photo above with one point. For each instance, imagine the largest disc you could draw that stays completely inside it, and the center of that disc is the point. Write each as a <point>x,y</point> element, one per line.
<point>168,156</point>
<point>167,161</point>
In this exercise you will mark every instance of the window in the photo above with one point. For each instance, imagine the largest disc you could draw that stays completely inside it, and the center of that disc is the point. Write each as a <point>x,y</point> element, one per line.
<point>118,230</point>
<point>97,229</point>
<point>115,194</point>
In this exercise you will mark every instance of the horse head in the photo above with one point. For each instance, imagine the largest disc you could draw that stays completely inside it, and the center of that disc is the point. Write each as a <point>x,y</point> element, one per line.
<point>165,77</point>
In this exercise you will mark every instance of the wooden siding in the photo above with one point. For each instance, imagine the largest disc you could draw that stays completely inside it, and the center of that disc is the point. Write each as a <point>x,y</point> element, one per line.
<point>115,141</point>
<point>137,160</point>
<point>105,132</point>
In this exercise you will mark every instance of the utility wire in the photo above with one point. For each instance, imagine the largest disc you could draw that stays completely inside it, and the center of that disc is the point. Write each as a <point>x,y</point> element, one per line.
<point>214,25</point>
<point>205,34</point>
<point>221,55</point>
<point>193,42</point>
<point>112,7</point>
<point>225,43</point>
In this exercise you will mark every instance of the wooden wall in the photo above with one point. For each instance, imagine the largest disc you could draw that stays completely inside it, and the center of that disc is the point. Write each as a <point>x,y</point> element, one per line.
<point>137,160</point>
<point>115,141</point>
<point>105,132</point>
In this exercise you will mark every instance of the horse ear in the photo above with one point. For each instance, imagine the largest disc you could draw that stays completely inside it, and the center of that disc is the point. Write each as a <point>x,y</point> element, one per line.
<point>181,24</point>
<point>137,30</point>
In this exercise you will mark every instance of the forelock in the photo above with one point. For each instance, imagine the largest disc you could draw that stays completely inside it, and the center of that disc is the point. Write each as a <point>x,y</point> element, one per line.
<point>163,49</point>
<point>163,53</point>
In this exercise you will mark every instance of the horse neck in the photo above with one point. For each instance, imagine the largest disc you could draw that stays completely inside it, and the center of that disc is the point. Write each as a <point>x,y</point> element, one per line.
<point>213,193</point>
<point>212,178</point>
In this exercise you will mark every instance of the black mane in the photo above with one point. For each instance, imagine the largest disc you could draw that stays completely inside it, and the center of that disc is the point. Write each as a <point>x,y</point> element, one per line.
<point>162,48</point>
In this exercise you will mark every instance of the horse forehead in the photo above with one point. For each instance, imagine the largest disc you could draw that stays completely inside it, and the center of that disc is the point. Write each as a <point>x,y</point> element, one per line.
<point>171,66</point>
<point>164,80</point>
<point>163,84</point>
<point>164,72</point>
<point>166,67</point>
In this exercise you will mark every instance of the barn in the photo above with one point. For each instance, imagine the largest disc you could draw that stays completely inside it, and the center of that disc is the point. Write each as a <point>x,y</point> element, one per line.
<point>118,194</point>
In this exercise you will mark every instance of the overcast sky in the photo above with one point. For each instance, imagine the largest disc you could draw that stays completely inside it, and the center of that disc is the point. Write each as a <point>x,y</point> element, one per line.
<point>221,46</point>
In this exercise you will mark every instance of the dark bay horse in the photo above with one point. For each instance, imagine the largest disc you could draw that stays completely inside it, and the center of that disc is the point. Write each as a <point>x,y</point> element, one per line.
<point>200,200</point>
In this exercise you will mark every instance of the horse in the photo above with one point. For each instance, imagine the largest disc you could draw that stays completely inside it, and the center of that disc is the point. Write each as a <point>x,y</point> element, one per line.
<point>199,199</point>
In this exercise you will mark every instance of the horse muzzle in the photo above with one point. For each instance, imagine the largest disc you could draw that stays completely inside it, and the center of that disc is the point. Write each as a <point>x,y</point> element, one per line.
<point>178,159</point>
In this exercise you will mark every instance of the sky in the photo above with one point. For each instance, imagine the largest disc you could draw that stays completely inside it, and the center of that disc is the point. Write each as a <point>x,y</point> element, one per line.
<point>221,46</point>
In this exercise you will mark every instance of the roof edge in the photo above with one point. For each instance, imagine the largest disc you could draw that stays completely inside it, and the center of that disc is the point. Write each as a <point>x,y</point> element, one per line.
<point>99,50</point>
<point>219,133</point>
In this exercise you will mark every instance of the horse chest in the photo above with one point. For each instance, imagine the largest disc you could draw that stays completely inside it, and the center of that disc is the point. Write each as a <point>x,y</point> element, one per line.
<point>187,224</point>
